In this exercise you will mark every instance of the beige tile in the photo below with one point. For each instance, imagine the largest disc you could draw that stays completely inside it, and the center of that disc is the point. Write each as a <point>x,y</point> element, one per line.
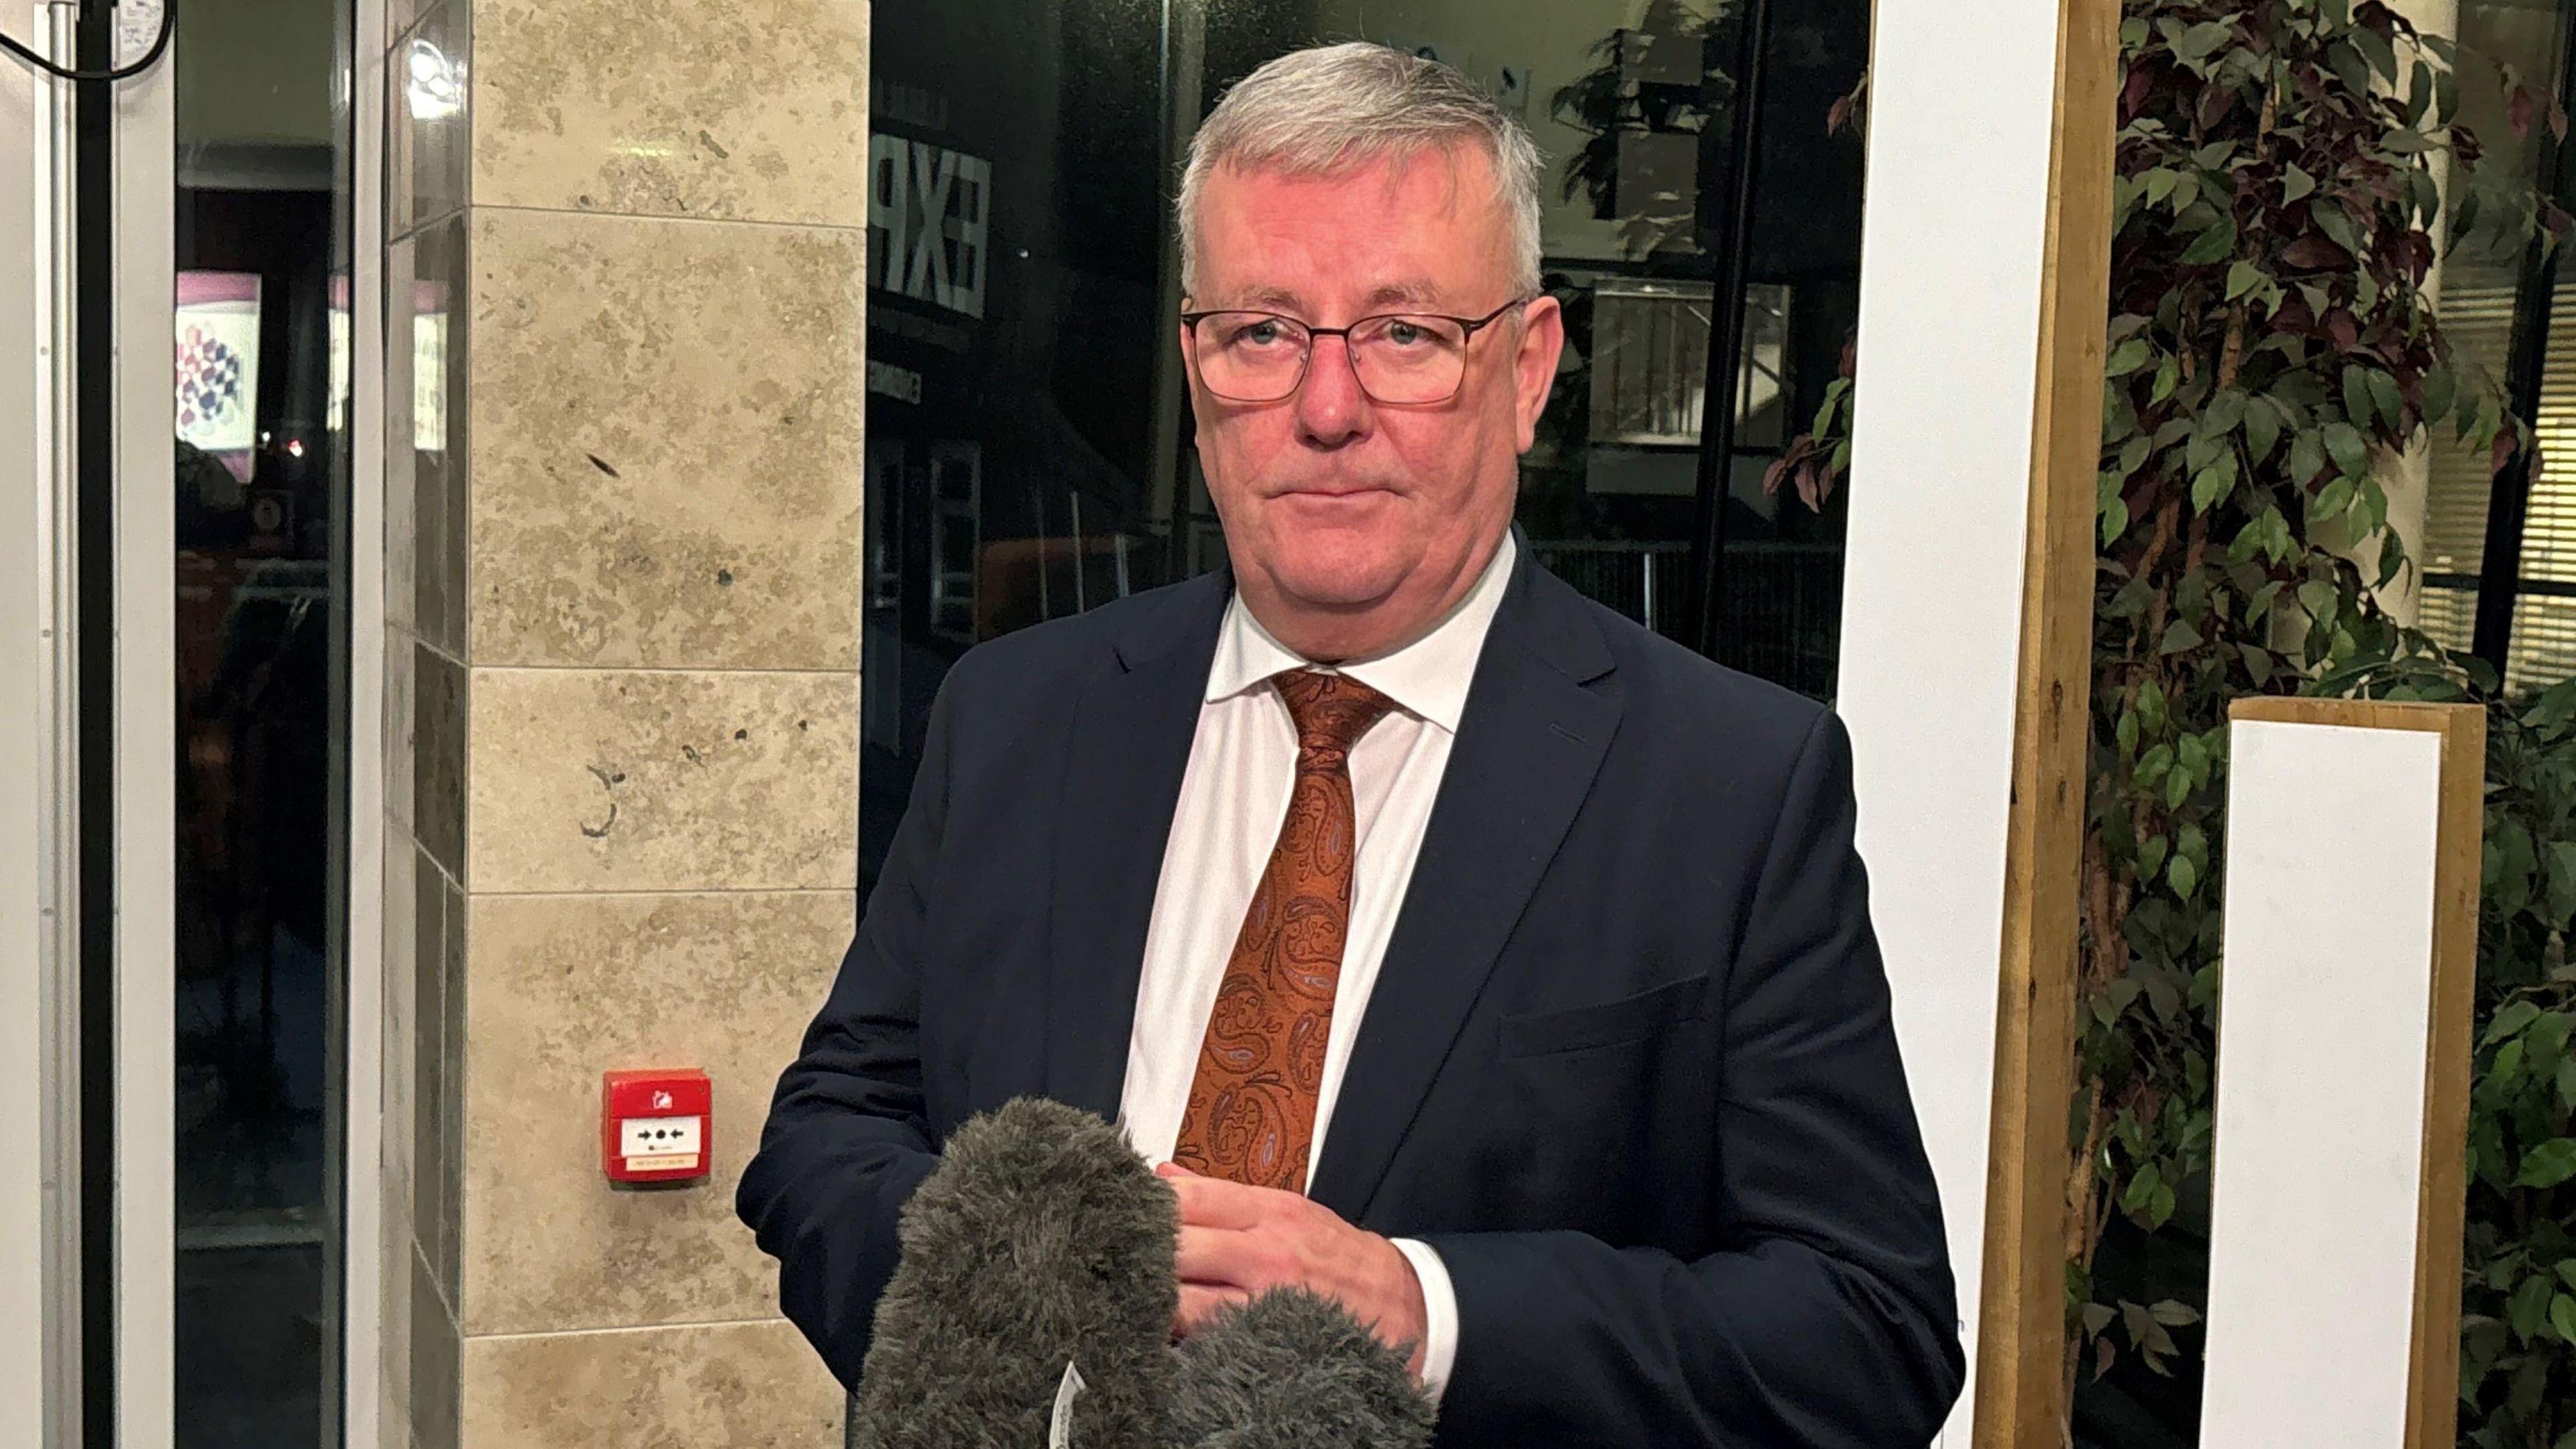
<point>425,117</point>
<point>453,992</point>
<point>436,1366</point>
<point>400,1073</point>
<point>566,987</point>
<point>666,434</point>
<point>438,765</point>
<point>682,108</point>
<point>428,302</point>
<point>739,1385</point>
<point>401,758</point>
<point>434,1164</point>
<point>402,525</point>
<point>590,780</point>
<point>393,1322</point>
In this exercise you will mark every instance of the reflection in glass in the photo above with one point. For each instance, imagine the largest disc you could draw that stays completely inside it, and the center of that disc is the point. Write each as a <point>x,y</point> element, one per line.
<point>2475,285</point>
<point>260,479</point>
<point>1029,450</point>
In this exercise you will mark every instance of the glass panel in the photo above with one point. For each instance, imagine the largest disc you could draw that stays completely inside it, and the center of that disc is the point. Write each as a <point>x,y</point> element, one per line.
<point>1015,281</point>
<point>1636,109</point>
<point>2449,614</point>
<point>2475,289</point>
<point>2549,521</point>
<point>1029,445</point>
<point>2544,640</point>
<point>261,323</point>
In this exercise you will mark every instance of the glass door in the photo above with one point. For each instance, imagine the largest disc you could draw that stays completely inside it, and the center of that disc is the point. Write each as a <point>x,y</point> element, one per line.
<point>258,489</point>
<point>177,576</point>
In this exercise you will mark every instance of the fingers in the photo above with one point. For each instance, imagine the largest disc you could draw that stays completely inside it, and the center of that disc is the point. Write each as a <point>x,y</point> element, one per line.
<point>1213,1202</point>
<point>1201,1302</point>
<point>1226,1256</point>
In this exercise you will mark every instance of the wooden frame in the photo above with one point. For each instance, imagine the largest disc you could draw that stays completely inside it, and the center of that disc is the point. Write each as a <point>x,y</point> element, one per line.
<point>2432,1389</point>
<point>2020,1348</point>
<point>1984,300</point>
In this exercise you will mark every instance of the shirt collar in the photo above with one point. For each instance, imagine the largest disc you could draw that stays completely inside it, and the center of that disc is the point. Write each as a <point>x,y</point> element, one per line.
<point>1427,677</point>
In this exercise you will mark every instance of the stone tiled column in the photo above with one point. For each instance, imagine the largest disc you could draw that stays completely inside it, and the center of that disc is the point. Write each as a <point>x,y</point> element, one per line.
<point>624,400</point>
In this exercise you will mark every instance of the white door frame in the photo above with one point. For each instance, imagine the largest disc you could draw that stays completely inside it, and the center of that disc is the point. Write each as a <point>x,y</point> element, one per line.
<point>27,437</point>
<point>362,1232</point>
<point>145,734</point>
<point>41,1209</point>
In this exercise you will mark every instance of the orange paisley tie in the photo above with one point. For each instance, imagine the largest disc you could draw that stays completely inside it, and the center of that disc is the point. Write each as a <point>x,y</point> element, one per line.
<point>1251,1116</point>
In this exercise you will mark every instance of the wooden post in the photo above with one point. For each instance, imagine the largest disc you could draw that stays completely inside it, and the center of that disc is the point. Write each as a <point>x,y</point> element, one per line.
<point>2302,1001</point>
<point>2021,1342</point>
<point>1967,623</point>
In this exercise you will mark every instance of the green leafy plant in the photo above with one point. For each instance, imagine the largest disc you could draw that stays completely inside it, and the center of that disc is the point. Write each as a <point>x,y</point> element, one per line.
<point>2284,167</point>
<point>2270,338</point>
<point>2518,1325</point>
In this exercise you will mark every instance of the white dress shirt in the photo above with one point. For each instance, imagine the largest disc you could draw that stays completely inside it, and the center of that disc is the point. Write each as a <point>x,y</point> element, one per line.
<point>1234,798</point>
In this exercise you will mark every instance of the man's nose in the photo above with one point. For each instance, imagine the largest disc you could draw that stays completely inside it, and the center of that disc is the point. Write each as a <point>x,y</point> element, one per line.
<point>1331,408</point>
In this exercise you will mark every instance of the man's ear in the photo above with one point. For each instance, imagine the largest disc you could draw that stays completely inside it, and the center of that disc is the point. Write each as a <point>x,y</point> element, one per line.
<point>1542,342</point>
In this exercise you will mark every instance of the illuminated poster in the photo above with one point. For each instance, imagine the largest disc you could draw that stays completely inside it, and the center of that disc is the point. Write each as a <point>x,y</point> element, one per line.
<point>336,418</point>
<point>429,365</point>
<point>217,327</point>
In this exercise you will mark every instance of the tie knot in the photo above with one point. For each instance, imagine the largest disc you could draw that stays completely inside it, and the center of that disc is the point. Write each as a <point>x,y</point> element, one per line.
<point>1331,711</point>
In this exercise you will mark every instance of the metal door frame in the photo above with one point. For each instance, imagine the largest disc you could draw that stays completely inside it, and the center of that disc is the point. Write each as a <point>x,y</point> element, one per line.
<point>85,890</point>
<point>28,122</point>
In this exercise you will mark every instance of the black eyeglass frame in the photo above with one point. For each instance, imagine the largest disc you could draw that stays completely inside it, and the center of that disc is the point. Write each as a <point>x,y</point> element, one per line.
<point>1469,327</point>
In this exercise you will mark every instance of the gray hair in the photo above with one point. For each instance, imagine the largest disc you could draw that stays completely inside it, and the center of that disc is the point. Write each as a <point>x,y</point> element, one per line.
<point>1314,112</point>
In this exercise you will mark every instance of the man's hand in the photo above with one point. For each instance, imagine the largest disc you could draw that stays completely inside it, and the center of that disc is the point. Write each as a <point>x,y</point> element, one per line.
<point>1238,1242</point>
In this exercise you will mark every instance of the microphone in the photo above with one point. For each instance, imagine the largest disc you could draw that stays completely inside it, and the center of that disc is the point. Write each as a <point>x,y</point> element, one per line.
<point>1041,1240</point>
<point>1291,1370</point>
<point>1033,1304</point>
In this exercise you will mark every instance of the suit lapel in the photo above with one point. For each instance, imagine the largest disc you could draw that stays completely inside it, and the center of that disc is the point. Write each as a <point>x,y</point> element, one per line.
<point>1131,737</point>
<point>1530,740</point>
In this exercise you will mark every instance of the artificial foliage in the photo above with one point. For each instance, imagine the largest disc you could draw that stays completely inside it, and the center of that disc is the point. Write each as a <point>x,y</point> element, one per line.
<point>2290,175</point>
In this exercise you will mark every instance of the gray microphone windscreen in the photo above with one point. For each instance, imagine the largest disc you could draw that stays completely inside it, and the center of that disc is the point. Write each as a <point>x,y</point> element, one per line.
<point>1040,1240</point>
<point>1290,1370</point>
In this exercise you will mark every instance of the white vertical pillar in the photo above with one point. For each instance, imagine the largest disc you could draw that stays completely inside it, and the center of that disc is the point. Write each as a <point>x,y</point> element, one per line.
<point>360,1343</point>
<point>2408,476</point>
<point>1966,612</point>
<point>140,288</point>
<point>2351,937</point>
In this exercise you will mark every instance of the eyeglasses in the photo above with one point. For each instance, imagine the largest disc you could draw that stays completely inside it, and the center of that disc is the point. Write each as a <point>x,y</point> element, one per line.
<point>1404,359</point>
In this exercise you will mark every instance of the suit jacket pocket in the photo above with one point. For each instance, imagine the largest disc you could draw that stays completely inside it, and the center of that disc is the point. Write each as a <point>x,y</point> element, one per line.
<point>1630,1018</point>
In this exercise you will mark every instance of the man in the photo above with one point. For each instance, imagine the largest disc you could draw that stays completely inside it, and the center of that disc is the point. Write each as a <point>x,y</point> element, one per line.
<point>1457,948</point>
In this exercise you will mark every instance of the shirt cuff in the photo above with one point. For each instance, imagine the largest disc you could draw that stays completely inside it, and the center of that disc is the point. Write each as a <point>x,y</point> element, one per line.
<point>1439,1314</point>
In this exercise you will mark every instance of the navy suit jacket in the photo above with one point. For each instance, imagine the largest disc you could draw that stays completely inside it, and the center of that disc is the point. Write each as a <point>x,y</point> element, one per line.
<point>1627,1065</point>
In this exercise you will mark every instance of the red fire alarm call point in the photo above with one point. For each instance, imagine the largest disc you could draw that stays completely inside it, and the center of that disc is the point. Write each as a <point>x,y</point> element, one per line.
<point>656,1126</point>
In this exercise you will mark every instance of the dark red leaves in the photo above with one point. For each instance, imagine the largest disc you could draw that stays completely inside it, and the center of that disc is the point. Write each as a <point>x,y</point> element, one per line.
<point>2215,103</point>
<point>2314,252</point>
